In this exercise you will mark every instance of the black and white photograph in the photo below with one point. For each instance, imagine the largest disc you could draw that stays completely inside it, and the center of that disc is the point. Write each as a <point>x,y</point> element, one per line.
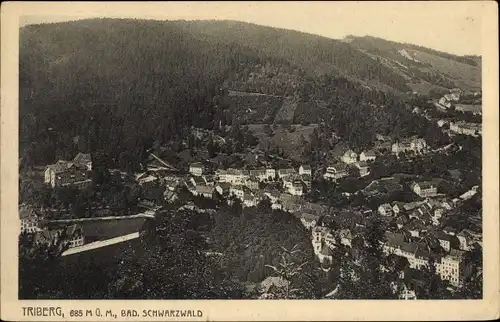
<point>197,152</point>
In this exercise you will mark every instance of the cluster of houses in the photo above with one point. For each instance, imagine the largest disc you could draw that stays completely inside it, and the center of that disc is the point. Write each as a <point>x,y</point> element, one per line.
<point>73,173</point>
<point>414,144</point>
<point>447,100</point>
<point>452,98</point>
<point>417,231</point>
<point>245,184</point>
<point>466,128</point>
<point>351,162</point>
<point>348,162</point>
<point>30,223</point>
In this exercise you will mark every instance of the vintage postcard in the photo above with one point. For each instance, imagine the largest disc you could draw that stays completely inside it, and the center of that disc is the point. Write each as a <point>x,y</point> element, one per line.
<point>255,161</point>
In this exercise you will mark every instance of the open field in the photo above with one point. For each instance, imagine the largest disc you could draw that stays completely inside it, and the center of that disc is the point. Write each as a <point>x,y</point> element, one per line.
<point>291,142</point>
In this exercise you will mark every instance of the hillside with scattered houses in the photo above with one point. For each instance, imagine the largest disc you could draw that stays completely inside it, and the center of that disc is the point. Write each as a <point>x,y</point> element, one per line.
<point>425,70</point>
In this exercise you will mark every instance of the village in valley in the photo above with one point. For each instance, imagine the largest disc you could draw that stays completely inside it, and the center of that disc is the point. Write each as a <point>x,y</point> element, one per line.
<point>336,201</point>
<point>221,159</point>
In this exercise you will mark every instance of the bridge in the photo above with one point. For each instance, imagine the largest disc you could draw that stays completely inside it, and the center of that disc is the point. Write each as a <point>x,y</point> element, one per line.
<point>149,214</point>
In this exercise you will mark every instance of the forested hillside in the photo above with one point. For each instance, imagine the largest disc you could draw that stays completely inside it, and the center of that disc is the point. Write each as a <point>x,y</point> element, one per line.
<point>118,86</point>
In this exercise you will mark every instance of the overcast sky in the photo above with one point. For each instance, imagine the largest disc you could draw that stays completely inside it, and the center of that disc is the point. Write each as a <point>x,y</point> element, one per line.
<point>452,27</point>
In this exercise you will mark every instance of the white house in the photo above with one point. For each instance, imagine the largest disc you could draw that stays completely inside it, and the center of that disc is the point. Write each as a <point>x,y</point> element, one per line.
<point>444,102</point>
<point>385,209</point>
<point>198,181</point>
<point>28,219</point>
<point>452,267</point>
<point>406,294</point>
<point>237,191</point>
<point>441,123</point>
<point>367,155</point>
<point>349,157</point>
<point>144,178</point>
<point>196,169</point>
<point>424,189</point>
<point>286,172</point>
<point>397,207</point>
<point>270,173</point>
<point>465,239</point>
<point>223,188</point>
<point>417,145</point>
<point>83,160</point>
<point>170,196</point>
<point>249,200</point>
<point>262,174</point>
<point>296,188</point>
<point>444,241</point>
<point>203,190</point>
<point>363,168</point>
<point>75,236</point>
<point>309,220</point>
<point>69,173</point>
<point>345,237</point>
<point>336,171</point>
<point>461,127</point>
<point>233,176</point>
<point>305,169</point>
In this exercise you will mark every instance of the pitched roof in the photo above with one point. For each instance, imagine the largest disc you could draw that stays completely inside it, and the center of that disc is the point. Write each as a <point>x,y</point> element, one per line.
<point>456,253</point>
<point>394,239</point>
<point>26,212</point>
<point>82,158</point>
<point>72,229</point>
<point>286,170</point>
<point>248,196</point>
<point>409,247</point>
<point>345,233</point>
<point>273,281</point>
<point>425,184</point>
<point>204,189</point>
<point>257,172</point>
<point>411,205</point>
<point>224,185</point>
<point>337,167</point>
<point>169,195</point>
<point>386,207</point>
<point>309,217</point>
<point>306,167</point>
<point>199,180</point>
<point>60,166</point>
<point>369,153</point>
<point>326,251</point>
<point>361,164</point>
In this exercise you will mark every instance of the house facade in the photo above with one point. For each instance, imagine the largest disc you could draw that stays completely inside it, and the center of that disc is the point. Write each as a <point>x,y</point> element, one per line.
<point>349,157</point>
<point>196,169</point>
<point>28,219</point>
<point>367,156</point>
<point>461,127</point>
<point>336,171</point>
<point>296,188</point>
<point>417,145</point>
<point>305,169</point>
<point>284,173</point>
<point>233,176</point>
<point>363,168</point>
<point>385,209</point>
<point>450,267</point>
<point>424,189</point>
<point>69,173</point>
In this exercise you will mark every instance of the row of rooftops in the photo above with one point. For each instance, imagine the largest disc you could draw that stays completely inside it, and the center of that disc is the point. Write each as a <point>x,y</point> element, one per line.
<point>467,125</point>
<point>419,249</point>
<point>80,162</point>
